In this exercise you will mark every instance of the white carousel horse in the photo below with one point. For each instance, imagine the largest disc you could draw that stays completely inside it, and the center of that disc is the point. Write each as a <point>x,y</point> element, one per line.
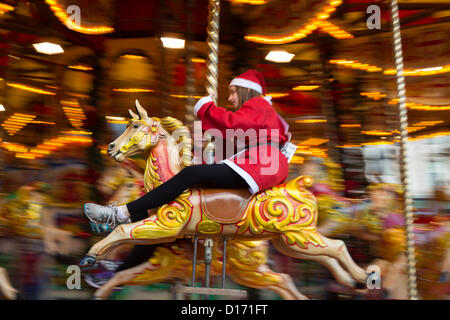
<point>286,214</point>
<point>246,260</point>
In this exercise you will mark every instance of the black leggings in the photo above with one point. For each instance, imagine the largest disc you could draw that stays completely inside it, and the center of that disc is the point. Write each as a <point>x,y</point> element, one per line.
<point>204,175</point>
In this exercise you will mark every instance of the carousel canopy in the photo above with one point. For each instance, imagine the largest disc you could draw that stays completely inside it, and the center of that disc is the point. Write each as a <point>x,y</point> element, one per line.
<point>339,82</point>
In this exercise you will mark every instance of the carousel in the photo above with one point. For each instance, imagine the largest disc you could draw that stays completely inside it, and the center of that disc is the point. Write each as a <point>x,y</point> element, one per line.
<point>98,105</point>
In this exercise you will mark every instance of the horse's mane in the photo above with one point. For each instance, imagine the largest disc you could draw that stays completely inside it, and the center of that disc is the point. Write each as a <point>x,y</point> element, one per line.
<point>183,136</point>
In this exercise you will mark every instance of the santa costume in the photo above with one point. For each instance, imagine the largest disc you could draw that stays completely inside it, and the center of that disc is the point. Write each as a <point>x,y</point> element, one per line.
<point>261,163</point>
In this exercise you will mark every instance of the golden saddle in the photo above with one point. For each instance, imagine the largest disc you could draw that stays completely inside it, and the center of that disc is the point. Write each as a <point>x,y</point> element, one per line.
<point>224,205</point>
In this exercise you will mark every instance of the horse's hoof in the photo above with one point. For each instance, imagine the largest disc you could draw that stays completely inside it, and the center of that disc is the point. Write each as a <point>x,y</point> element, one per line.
<point>359,285</point>
<point>19,296</point>
<point>88,263</point>
<point>370,274</point>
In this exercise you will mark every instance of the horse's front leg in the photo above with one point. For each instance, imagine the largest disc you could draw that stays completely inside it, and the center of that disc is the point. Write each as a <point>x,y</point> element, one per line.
<point>141,232</point>
<point>5,286</point>
<point>120,278</point>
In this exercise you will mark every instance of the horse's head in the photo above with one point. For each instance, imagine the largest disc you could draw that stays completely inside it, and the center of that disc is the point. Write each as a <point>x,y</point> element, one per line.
<point>141,135</point>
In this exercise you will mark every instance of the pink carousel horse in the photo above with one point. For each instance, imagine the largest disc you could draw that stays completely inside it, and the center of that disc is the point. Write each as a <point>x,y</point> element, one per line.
<point>286,214</point>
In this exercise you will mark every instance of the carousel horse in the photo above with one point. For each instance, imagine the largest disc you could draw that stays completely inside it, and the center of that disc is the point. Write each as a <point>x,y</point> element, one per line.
<point>24,215</point>
<point>334,215</point>
<point>365,220</point>
<point>379,222</point>
<point>286,214</point>
<point>122,183</point>
<point>246,260</point>
<point>432,259</point>
<point>23,210</point>
<point>21,217</point>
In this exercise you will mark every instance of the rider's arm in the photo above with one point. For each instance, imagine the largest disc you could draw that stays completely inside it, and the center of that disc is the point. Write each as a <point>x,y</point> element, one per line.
<point>250,115</point>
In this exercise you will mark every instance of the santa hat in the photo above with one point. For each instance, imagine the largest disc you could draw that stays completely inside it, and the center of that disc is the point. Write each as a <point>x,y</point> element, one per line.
<point>251,79</point>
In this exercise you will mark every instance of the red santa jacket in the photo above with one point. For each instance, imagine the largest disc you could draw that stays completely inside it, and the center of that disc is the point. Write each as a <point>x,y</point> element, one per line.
<point>257,126</point>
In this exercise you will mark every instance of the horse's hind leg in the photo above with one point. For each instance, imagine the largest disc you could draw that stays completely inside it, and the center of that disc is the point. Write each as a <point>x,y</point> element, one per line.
<point>162,269</point>
<point>340,275</point>
<point>120,278</point>
<point>264,278</point>
<point>247,266</point>
<point>334,249</point>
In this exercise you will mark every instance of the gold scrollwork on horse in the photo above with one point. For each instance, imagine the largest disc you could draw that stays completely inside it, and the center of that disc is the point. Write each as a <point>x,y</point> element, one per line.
<point>169,217</point>
<point>286,213</point>
<point>288,209</point>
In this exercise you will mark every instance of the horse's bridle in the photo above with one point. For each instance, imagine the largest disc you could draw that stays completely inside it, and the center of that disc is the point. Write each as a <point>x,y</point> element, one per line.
<point>138,136</point>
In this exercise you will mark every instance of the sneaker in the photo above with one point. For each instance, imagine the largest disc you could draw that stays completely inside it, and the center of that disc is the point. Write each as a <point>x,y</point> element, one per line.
<point>103,214</point>
<point>104,272</point>
<point>98,279</point>
<point>102,228</point>
<point>110,265</point>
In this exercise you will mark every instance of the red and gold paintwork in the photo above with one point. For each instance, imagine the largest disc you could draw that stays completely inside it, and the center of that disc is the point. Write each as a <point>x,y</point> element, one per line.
<point>246,260</point>
<point>286,214</point>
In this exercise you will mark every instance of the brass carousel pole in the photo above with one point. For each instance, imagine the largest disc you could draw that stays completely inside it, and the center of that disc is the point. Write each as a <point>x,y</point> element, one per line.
<point>190,84</point>
<point>212,66</point>
<point>403,113</point>
<point>212,79</point>
<point>212,63</point>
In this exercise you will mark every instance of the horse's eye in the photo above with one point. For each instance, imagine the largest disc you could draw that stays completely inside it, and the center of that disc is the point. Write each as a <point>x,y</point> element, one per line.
<point>135,126</point>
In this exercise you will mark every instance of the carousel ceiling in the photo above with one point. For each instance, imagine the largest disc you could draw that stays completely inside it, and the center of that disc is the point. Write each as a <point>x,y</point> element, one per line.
<point>112,54</point>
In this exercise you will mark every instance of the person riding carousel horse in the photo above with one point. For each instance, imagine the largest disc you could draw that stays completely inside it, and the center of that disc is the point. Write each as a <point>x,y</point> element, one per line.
<point>284,212</point>
<point>260,166</point>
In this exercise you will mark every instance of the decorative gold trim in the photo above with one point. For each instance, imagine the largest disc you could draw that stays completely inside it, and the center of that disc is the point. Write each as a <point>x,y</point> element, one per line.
<point>288,209</point>
<point>208,226</point>
<point>170,218</point>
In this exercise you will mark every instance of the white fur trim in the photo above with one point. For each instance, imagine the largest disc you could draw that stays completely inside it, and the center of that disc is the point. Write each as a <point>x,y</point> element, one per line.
<point>253,186</point>
<point>200,103</point>
<point>246,84</point>
<point>284,123</point>
<point>288,150</point>
<point>268,99</point>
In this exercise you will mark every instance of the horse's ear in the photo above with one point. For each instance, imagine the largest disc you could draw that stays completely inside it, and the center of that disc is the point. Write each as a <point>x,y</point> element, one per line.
<point>133,115</point>
<point>141,111</point>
